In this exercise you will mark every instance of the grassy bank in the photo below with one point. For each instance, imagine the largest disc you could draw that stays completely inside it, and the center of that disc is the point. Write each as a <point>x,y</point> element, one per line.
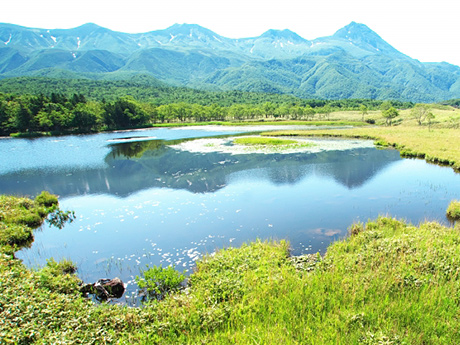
<point>436,146</point>
<point>389,283</point>
<point>265,123</point>
<point>196,124</point>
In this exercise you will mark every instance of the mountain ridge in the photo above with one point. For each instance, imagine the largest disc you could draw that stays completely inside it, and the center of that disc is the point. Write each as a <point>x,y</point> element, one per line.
<point>353,62</point>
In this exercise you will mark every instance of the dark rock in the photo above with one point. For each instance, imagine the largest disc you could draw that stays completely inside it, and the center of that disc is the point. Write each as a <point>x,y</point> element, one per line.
<point>105,289</point>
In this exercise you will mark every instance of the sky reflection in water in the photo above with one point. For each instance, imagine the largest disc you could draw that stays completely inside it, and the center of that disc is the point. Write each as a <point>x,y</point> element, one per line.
<point>147,203</point>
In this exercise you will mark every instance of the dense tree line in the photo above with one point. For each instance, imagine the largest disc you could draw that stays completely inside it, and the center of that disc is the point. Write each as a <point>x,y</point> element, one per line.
<point>147,89</point>
<point>75,113</point>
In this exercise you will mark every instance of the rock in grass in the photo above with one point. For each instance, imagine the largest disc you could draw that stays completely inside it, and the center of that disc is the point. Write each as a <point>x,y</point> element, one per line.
<point>105,289</point>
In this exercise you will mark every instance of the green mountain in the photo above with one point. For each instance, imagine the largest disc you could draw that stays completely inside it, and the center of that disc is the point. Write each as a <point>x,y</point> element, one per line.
<point>355,62</point>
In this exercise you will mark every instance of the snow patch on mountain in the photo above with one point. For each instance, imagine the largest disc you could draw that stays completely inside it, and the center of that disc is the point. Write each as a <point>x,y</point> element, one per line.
<point>9,40</point>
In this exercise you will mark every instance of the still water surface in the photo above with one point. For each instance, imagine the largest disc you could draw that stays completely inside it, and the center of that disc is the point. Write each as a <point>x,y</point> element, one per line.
<point>140,201</point>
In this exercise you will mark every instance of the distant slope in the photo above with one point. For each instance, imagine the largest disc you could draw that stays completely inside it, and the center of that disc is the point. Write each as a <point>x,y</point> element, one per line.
<point>355,62</point>
<point>144,88</point>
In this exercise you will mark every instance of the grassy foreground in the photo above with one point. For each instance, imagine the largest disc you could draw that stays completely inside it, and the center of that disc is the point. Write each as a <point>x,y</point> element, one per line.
<point>440,145</point>
<point>389,283</point>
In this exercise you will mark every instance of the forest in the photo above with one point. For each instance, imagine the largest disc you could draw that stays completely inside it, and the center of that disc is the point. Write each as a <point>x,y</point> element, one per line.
<point>80,106</point>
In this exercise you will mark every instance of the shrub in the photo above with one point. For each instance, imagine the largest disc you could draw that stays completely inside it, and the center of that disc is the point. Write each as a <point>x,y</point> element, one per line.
<point>47,200</point>
<point>15,234</point>
<point>381,143</point>
<point>453,211</point>
<point>356,228</point>
<point>59,276</point>
<point>157,281</point>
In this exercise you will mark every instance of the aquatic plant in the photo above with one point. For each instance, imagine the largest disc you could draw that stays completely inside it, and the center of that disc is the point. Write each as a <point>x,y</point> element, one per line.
<point>263,141</point>
<point>157,281</point>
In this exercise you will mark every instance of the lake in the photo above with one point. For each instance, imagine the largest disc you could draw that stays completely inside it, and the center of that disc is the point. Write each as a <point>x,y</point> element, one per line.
<point>168,196</point>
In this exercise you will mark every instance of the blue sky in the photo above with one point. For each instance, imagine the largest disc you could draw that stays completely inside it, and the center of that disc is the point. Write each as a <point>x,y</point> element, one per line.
<point>424,30</point>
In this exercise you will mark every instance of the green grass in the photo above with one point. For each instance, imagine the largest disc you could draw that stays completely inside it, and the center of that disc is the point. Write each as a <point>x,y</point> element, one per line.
<point>453,211</point>
<point>257,141</point>
<point>440,145</point>
<point>264,123</point>
<point>272,144</point>
<point>19,216</point>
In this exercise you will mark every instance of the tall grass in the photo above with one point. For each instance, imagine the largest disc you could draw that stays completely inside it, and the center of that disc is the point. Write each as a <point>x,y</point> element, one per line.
<point>453,211</point>
<point>437,146</point>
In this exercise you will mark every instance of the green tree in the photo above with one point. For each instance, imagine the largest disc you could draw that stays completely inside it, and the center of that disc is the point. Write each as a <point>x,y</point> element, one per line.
<point>22,117</point>
<point>85,117</point>
<point>309,112</point>
<point>389,115</point>
<point>363,110</point>
<point>237,111</point>
<point>199,112</point>
<point>125,112</point>
<point>385,106</point>
<point>5,120</point>
<point>296,112</point>
<point>54,117</point>
<point>420,112</point>
<point>165,112</point>
<point>327,110</point>
<point>282,111</point>
<point>269,108</point>
<point>182,111</point>
<point>430,117</point>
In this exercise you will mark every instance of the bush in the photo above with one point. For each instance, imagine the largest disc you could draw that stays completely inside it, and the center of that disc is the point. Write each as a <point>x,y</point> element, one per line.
<point>453,211</point>
<point>59,276</point>
<point>15,234</point>
<point>356,228</point>
<point>47,200</point>
<point>19,216</point>
<point>157,281</point>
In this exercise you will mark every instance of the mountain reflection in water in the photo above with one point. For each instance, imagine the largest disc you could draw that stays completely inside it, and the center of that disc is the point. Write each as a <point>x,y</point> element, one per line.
<point>135,166</point>
<point>160,202</point>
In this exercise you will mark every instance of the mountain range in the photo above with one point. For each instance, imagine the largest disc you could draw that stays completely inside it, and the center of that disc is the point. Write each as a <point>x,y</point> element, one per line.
<point>355,62</point>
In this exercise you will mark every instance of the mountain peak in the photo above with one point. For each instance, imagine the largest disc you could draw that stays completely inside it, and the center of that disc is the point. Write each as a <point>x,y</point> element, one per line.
<point>88,26</point>
<point>83,30</point>
<point>362,35</point>
<point>283,34</point>
<point>355,30</point>
<point>187,29</point>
